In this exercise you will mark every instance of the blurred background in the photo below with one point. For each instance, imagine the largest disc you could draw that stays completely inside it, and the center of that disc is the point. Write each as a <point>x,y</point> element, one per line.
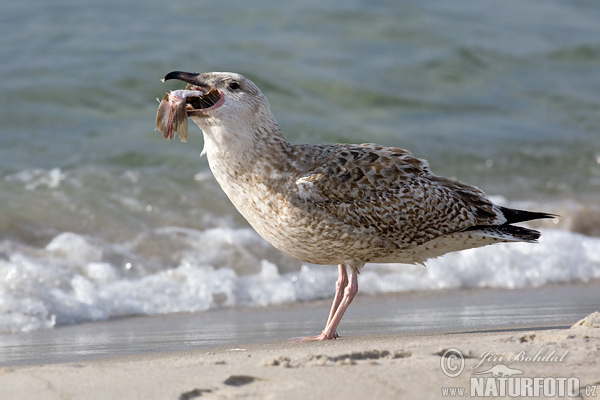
<point>101,217</point>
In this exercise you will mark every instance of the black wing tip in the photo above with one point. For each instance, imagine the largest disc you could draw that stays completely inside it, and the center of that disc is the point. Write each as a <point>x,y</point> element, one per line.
<point>511,232</point>
<point>514,216</point>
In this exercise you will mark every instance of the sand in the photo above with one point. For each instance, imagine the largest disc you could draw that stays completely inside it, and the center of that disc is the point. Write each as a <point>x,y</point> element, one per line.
<point>404,365</point>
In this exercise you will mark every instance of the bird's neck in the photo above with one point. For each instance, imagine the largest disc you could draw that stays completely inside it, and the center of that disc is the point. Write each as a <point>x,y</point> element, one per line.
<point>238,152</point>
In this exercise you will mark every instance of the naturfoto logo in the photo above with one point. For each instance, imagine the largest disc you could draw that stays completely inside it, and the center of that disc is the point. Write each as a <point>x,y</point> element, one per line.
<point>502,380</point>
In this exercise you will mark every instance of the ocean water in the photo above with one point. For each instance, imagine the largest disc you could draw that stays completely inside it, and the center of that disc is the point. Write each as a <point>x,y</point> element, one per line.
<point>100,217</point>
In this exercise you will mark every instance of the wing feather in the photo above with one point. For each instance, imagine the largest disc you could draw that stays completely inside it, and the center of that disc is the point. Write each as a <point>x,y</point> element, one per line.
<point>389,192</point>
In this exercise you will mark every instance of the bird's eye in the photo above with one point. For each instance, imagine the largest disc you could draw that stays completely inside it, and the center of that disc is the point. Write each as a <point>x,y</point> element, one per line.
<point>234,85</point>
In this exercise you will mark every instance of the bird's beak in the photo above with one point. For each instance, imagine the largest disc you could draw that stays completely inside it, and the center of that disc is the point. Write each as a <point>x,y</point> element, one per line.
<point>188,77</point>
<point>211,99</point>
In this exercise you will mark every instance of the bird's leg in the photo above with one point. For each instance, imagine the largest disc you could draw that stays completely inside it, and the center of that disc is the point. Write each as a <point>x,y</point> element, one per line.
<point>340,284</point>
<point>330,329</point>
<point>349,292</point>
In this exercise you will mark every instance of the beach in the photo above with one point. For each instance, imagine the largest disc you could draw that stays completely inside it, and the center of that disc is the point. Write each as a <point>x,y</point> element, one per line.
<point>249,353</point>
<point>384,367</point>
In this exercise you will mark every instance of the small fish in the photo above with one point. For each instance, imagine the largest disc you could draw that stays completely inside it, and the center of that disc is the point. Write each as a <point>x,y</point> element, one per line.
<point>172,115</point>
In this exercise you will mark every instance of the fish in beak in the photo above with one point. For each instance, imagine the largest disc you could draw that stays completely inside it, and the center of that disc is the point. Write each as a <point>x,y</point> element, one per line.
<point>176,106</point>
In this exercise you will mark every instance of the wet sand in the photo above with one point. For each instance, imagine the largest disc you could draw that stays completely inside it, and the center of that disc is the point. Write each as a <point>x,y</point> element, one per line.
<point>395,366</point>
<point>391,347</point>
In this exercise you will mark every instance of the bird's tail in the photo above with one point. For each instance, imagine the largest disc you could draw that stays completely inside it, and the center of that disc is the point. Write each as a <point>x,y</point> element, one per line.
<point>508,232</point>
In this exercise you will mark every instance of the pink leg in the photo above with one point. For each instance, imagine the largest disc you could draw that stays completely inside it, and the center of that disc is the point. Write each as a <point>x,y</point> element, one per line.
<point>330,331</point>
<point>340,284</point>
<point>349,293</point>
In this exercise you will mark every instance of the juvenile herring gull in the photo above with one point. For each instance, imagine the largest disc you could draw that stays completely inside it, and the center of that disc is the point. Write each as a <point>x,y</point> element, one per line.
<point>345,204</point>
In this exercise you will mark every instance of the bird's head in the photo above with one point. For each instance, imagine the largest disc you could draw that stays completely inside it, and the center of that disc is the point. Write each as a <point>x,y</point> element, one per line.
<point>230,100</point>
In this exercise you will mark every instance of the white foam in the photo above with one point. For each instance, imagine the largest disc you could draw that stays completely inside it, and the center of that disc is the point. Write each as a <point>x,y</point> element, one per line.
<point>75,278</point>
<point>559,257</point>
<point>34,178</point>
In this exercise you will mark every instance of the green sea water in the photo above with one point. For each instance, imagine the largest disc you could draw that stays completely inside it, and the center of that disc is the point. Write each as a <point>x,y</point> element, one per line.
<point>502,95</point>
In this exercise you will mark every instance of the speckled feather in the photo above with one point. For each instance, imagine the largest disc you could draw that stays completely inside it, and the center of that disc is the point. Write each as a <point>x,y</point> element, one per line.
<point>339,203</point>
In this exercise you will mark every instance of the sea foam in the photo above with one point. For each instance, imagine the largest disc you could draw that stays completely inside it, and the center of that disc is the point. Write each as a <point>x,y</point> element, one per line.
<point>76,278</point>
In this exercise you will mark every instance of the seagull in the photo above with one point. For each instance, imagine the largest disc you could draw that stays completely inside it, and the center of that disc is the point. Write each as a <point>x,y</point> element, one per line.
<point>331,204</point>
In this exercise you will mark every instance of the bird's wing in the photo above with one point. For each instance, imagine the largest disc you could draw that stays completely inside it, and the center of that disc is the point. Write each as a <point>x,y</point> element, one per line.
<point>391,192</point>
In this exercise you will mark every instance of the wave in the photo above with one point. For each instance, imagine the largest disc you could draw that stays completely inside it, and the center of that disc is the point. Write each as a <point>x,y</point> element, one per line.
<point>77,278</point>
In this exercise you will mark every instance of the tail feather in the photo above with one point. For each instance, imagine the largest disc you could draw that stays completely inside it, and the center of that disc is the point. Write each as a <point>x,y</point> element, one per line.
<point>507,232</point>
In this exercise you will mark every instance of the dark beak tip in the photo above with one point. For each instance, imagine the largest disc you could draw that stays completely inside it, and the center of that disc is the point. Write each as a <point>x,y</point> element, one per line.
<point>171,75</point>
<point>180,75</point>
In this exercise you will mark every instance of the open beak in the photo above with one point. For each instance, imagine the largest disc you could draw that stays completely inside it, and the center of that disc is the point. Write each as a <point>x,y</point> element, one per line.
<point>196,100</point>
<point>211,99</point>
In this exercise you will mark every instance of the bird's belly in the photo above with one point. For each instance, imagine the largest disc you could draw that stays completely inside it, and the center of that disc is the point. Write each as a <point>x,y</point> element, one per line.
<point>294,231</point>
<point>302,232</point>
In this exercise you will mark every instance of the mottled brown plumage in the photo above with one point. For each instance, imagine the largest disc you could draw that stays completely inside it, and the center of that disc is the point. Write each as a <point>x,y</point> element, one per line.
<point>345,204</point>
